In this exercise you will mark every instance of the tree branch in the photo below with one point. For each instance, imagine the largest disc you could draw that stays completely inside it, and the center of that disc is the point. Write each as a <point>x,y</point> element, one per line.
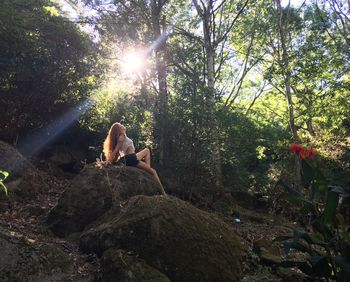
<point>231,25</point>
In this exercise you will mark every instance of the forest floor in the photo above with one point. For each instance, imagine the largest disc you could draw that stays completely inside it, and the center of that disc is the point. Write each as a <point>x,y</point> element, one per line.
<point>26,220</point>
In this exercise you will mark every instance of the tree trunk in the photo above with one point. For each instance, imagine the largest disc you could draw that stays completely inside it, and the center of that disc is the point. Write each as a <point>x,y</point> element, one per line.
<point>212,121</point>
<point>288,93</point>
<point>159,29</point>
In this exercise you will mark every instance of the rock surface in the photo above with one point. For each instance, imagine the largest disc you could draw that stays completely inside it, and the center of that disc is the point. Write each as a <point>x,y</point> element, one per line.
<point>181,241</point>
<point>67,158</point>
<point>24,260</point>
<point>13,161</point>
<point>24,179</point>
<point>93,192</point>
<point>118,264</point>
<point>269,252</point>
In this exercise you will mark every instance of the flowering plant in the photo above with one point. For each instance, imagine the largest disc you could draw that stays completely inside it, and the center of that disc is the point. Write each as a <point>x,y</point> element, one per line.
<point>325,239</point>
<point>302,152</point>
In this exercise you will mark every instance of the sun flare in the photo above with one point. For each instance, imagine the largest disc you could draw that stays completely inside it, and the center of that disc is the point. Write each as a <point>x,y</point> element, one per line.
<point>133,61</point>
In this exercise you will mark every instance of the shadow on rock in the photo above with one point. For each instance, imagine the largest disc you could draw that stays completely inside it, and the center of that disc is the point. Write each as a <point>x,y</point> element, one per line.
<point>93,192</point>
<point>170,235</point>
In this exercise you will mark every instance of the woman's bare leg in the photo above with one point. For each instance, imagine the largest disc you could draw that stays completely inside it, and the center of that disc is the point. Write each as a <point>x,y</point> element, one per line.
<point>144,154</point>
<point>152,171</point>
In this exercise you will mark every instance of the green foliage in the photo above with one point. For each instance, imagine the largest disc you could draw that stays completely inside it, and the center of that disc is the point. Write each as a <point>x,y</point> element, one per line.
<point>118,102</point>
<point>327,241</point>
<point>319,77</point>
<point>190,135</point>
<point>4,175</point>
<point>247,151</point>
<point>247,148</point>
<point>47,64</point>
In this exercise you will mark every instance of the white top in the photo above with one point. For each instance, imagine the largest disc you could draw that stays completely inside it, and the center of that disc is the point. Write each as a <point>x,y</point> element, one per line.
<point>126,142</point>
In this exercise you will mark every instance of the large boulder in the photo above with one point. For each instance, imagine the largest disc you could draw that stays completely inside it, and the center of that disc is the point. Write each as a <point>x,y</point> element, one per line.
<point>67,158</point>
<point>181,241</point>
<point>93,192</point>
<point>128,268</point>
<point>13,161</point>
<point>24,181</point>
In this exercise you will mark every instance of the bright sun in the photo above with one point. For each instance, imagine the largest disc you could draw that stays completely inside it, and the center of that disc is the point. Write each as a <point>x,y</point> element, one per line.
<point>133,61</point>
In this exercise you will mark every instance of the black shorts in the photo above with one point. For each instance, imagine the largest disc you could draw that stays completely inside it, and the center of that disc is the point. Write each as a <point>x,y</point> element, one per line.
<point>130,160</point>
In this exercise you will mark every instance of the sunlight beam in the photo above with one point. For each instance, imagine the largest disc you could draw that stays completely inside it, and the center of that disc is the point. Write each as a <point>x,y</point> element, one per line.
<point>37,141</point>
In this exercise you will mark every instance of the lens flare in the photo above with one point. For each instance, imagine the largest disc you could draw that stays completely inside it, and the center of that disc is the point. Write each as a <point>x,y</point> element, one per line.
<point>133,61</point>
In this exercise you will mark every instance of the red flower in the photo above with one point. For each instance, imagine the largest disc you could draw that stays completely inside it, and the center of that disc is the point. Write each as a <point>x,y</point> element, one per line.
<point>296,148</point>
<point>300,151</point>
<point>303,154</point>
<point>310,152</point>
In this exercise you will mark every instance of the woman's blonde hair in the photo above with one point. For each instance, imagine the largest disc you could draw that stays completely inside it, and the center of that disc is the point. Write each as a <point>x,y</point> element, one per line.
<point>111,141</point>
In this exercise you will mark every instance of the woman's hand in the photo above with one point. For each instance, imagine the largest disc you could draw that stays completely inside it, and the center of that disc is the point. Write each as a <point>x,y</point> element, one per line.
<point>101,164</point>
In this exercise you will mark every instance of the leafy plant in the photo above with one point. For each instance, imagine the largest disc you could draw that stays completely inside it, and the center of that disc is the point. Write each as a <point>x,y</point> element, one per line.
<point>326,239</point>
<point>5,174</point>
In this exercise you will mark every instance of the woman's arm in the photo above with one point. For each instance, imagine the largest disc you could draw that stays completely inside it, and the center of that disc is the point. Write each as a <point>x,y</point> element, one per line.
<point>115,152</point>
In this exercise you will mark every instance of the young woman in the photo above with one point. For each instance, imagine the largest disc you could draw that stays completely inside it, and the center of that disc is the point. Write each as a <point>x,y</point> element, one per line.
<point>117,144</point>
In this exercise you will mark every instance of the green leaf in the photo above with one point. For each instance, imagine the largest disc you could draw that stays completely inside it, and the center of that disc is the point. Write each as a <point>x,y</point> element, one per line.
<point>5,175</point>
<point>332,199</point>
<point>3,187</point>
<point>51,10</point>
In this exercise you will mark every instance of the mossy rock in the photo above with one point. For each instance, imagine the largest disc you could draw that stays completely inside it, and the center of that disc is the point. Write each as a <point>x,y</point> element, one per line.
<point>24,260</point>
<point>119,265</point>
<point>93,192</point>
<point>181,241</point>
